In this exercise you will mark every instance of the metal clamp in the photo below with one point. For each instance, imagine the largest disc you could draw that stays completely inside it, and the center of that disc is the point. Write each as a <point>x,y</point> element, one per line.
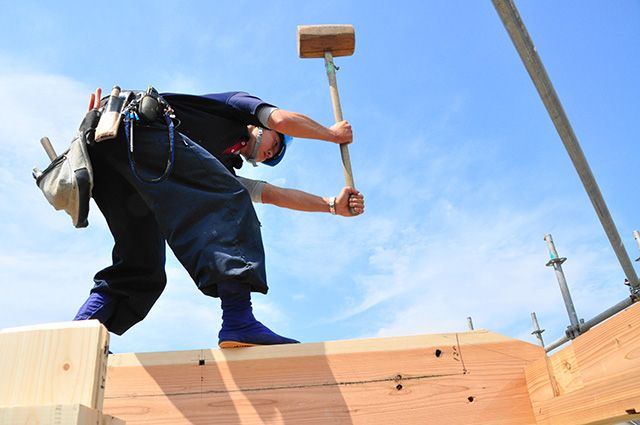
<point>574,331</point>
<point>556,260</point>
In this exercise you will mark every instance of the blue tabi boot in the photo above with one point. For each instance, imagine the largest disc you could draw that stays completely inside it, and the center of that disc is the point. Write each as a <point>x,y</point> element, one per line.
<point>239,327</point>
<point>98,306</point>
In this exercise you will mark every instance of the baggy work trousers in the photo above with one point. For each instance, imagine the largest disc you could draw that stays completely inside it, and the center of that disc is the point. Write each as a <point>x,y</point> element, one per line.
<point>201,210</point>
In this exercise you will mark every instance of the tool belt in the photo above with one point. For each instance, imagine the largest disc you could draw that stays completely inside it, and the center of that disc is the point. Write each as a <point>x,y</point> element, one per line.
<point>138,106</point>
<point>67,182</point>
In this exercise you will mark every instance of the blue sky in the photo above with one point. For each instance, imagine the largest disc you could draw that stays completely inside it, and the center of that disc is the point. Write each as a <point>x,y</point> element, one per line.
<point>461,167</point>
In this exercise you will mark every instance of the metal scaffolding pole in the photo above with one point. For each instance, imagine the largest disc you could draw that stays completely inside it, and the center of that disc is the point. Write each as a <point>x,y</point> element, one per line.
<point>536,329</point>
<point>517,31</point>
<point>556,262</point>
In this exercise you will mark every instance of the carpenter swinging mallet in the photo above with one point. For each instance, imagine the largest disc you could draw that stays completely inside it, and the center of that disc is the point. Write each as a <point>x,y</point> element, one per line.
<point>327,41</point>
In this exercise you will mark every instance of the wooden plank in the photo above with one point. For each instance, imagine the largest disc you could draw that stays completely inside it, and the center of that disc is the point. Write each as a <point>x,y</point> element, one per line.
<point>76,414</point>
<point>53,364</point>
<point>470,377</point>
<point>598,375</point>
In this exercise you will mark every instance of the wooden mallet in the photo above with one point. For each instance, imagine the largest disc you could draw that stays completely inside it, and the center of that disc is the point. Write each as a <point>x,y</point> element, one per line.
<point>327,41</point>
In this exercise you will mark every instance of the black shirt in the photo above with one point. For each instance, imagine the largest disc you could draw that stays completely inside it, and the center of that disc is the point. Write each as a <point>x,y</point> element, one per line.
<point>216,121</point>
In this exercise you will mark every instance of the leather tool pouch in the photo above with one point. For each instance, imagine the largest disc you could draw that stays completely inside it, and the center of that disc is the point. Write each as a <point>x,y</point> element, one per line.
<point>111,116</point>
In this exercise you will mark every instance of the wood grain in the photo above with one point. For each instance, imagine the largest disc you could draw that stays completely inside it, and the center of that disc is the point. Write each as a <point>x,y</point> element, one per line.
<point>597,374</point>
<point>473,377</point>
<point>51,415</point>
<point>53,364</point>
<point>76,414</point>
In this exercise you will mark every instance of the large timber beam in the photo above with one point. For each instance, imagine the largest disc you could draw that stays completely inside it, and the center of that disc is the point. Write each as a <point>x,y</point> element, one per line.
<point>595,379</point>
<point>472,377</point>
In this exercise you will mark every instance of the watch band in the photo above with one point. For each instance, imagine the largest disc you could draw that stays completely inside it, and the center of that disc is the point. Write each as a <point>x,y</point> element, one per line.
<point>332,205</point>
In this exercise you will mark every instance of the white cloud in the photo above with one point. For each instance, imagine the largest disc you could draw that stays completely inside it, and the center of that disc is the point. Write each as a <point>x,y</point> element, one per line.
<point>450,261</point>
<point>33,105</point>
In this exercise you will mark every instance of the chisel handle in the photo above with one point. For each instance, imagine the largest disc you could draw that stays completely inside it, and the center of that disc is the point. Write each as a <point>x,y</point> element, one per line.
<point>48,148</point>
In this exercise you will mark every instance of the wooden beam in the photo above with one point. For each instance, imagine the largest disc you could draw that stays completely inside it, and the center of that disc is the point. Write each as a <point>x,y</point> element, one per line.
<point>472,377</point>
<point>595,377</point>
<point>53,364</point>
<point>76,414</point>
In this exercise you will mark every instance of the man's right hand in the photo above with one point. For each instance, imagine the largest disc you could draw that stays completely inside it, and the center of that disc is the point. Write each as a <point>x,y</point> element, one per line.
<point>342,132</point>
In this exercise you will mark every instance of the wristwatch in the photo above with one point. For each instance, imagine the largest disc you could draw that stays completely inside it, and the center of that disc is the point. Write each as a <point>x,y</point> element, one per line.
<point>332,205</point>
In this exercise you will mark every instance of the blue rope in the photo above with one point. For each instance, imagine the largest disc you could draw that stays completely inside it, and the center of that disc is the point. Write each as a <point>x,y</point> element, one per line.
<point>132,163</point>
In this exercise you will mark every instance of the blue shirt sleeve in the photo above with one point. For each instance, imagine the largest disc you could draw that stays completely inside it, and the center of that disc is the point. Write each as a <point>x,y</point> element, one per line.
<point>239,100</point>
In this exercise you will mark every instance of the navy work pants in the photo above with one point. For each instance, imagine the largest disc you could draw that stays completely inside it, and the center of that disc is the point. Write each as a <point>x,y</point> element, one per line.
<point>203,213</point>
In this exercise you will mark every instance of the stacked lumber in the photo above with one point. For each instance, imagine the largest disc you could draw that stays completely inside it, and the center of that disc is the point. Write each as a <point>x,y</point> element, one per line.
<point>54,374</point>
<point>58,374</point>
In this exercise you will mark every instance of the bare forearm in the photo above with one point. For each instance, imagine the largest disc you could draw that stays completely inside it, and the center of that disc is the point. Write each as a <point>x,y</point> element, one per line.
<point>348,203</point>
<point>299,125</point>
<point>294,199</point>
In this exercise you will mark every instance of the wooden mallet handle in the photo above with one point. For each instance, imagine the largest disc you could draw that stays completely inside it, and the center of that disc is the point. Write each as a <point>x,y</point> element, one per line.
<point>337,112</point>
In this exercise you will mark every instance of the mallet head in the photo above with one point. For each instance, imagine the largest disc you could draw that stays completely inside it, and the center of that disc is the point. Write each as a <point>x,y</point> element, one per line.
<point>315,40</point>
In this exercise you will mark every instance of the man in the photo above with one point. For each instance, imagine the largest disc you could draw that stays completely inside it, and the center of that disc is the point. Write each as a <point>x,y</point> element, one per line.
<point>199,207</point>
